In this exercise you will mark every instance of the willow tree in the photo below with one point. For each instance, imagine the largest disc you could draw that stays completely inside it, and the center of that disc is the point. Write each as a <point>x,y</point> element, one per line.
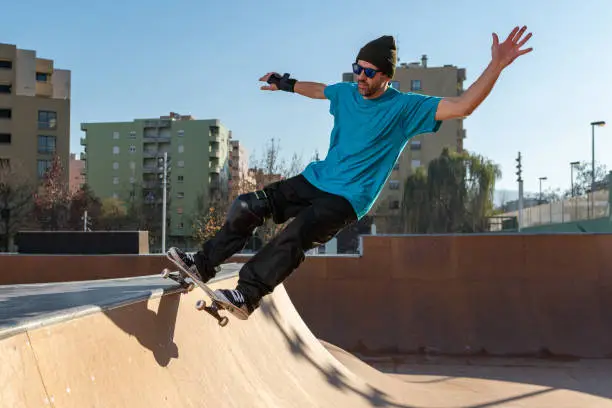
<point>455,194</point>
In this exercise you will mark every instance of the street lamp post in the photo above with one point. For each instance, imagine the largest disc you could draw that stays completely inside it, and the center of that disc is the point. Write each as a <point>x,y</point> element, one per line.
<point>593,124</point>
<point>541,179</point>
<point>164,184</point>
<point>572,164</point>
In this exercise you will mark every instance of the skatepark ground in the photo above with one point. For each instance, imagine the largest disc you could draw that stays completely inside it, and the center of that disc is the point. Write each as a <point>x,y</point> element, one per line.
<point>91,341</point>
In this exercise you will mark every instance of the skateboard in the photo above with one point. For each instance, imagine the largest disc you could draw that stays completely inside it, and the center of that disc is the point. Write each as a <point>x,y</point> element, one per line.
<point>180,277</point>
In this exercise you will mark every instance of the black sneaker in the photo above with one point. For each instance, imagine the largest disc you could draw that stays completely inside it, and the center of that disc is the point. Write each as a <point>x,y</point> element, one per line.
<point>235,303</point>
<point>185,260</point>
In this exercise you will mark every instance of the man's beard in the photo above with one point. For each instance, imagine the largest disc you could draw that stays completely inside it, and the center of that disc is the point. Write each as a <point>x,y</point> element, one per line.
<point>367,90</point>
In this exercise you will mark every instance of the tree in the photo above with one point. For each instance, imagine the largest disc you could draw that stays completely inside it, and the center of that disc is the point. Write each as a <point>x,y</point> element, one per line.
<point>16,192</point>
<point>582,178</point>
<point>83,200</point>
<point>51,203</point>
<point>455,194</point>
<point>208,219</point>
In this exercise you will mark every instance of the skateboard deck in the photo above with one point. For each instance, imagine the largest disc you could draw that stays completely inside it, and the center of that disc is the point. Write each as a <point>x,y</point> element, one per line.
<point>216,304</point>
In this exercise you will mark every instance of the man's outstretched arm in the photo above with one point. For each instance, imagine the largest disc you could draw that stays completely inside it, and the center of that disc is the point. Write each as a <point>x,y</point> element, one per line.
<point>314,90</point>
<point>502,55</point>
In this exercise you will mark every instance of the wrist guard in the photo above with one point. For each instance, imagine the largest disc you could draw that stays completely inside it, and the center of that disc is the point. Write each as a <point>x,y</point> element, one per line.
<point>283,83</point>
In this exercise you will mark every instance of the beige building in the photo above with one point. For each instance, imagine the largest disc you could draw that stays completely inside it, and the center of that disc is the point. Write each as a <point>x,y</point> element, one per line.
<point>76,173</point>
<point>241,179</point>
<point>34,111</point>
<point>418,77</point>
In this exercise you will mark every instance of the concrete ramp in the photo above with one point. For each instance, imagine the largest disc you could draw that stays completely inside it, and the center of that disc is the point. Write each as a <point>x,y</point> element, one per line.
<point>162,352</point>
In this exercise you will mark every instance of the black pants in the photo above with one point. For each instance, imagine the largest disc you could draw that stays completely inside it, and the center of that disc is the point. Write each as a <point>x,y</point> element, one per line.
<point>318,217</point>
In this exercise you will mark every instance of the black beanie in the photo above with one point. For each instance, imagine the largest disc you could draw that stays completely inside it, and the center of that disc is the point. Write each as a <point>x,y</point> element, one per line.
<point>382,53</point>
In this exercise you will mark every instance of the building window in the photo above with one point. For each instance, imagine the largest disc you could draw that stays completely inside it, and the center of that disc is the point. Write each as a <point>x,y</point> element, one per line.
<point>181,148</point>
<point>42,77</point>
<point>132,149</point>
<point>5,89</point>
<point>5,138</point>
<point>394,184</point>
<point>180,163</point>
<point>181,225</point>
<point>46,144</point>
<point>396,166</point>
<point>115,149</point>
<point>181,133</point>
<point>115,135</point>
<point>115,165</point>
<point>115,180</point>
<point>394,205</point>
<point>180,179</point>
<point>179,210</point>
<point>415,85</point>
<point>6,64</point>
<point>132,135</point>
<point>395,85</point>
<point>47,120</point>
<point>6,113</point>
<point>415,163</point>
<point>132,165</point>
<point>180,195</point>
<point>132,180</point>
<point>415,145</point>
<point>43,166</point>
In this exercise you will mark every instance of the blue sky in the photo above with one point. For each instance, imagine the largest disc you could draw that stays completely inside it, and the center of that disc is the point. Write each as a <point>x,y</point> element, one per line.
<point>144,59</point>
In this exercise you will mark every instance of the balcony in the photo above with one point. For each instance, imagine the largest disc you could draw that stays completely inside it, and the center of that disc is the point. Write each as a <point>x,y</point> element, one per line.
<point>215,168</point>
<point>214,152</point>
<point>48,125</point>
<point>156,138</point>
<point>151,154</point>
<point>44,66</point>
<point>83,156</point>
<point>44,89</point>
<point>157,123</point>
<point>83,142</point>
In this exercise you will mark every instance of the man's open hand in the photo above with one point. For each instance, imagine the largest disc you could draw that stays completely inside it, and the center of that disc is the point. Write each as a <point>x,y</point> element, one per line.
<point>505,53</point>
<point>268,87</point>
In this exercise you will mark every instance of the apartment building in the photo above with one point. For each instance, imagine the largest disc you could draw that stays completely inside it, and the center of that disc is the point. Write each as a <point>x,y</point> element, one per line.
<point>34,112</point>
<point>241,179</point>
<point>418,77</point>
<point>76,173</point>
<point>125,160</point>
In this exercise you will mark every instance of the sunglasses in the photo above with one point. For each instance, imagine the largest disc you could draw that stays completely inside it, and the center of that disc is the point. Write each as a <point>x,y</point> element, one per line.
<point>369,72</point>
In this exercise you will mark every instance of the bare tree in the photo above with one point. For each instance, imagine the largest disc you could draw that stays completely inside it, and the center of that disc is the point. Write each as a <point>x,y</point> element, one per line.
<point>16,192</point>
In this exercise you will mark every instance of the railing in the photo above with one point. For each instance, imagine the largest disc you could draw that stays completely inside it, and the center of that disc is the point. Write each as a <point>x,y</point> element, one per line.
<point>587,207</point>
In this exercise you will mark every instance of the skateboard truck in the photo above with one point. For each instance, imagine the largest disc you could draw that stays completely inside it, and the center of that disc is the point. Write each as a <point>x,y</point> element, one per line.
<point>213,310</point>
<point>177,277</point>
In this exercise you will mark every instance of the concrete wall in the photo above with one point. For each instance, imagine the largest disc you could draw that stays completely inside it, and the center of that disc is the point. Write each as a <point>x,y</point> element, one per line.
<point>499,294</point>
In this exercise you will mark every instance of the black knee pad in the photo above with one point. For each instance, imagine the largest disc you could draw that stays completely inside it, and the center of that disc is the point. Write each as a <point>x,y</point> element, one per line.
<point>249,211</point>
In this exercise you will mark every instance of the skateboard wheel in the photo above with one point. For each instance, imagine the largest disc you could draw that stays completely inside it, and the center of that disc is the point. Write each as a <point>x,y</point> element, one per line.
<point>200,304</point>
<point>224,321</point>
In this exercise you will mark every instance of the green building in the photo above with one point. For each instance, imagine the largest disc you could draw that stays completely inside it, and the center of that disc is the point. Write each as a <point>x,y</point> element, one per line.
<point>124,160</point>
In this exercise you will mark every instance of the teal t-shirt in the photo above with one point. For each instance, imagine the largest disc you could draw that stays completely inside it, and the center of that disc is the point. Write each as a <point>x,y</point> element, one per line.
<point>367,139</point>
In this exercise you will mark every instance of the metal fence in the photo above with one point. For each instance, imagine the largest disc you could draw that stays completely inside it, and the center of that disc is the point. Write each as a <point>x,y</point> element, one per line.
<point>590,206</point>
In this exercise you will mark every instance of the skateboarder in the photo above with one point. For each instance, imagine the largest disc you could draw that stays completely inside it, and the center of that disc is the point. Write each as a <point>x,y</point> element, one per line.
<point>372,124</point>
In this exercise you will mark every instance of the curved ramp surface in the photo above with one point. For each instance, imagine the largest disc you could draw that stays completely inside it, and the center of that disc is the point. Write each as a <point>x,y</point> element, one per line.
<point>162,352</point>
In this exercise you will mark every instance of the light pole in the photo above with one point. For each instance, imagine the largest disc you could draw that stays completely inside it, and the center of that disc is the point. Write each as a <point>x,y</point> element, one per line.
<point>572,164</point>
<point>593,124</point>
<point>519,179</point>
<point>541,179</point>
<point>164,163</point>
